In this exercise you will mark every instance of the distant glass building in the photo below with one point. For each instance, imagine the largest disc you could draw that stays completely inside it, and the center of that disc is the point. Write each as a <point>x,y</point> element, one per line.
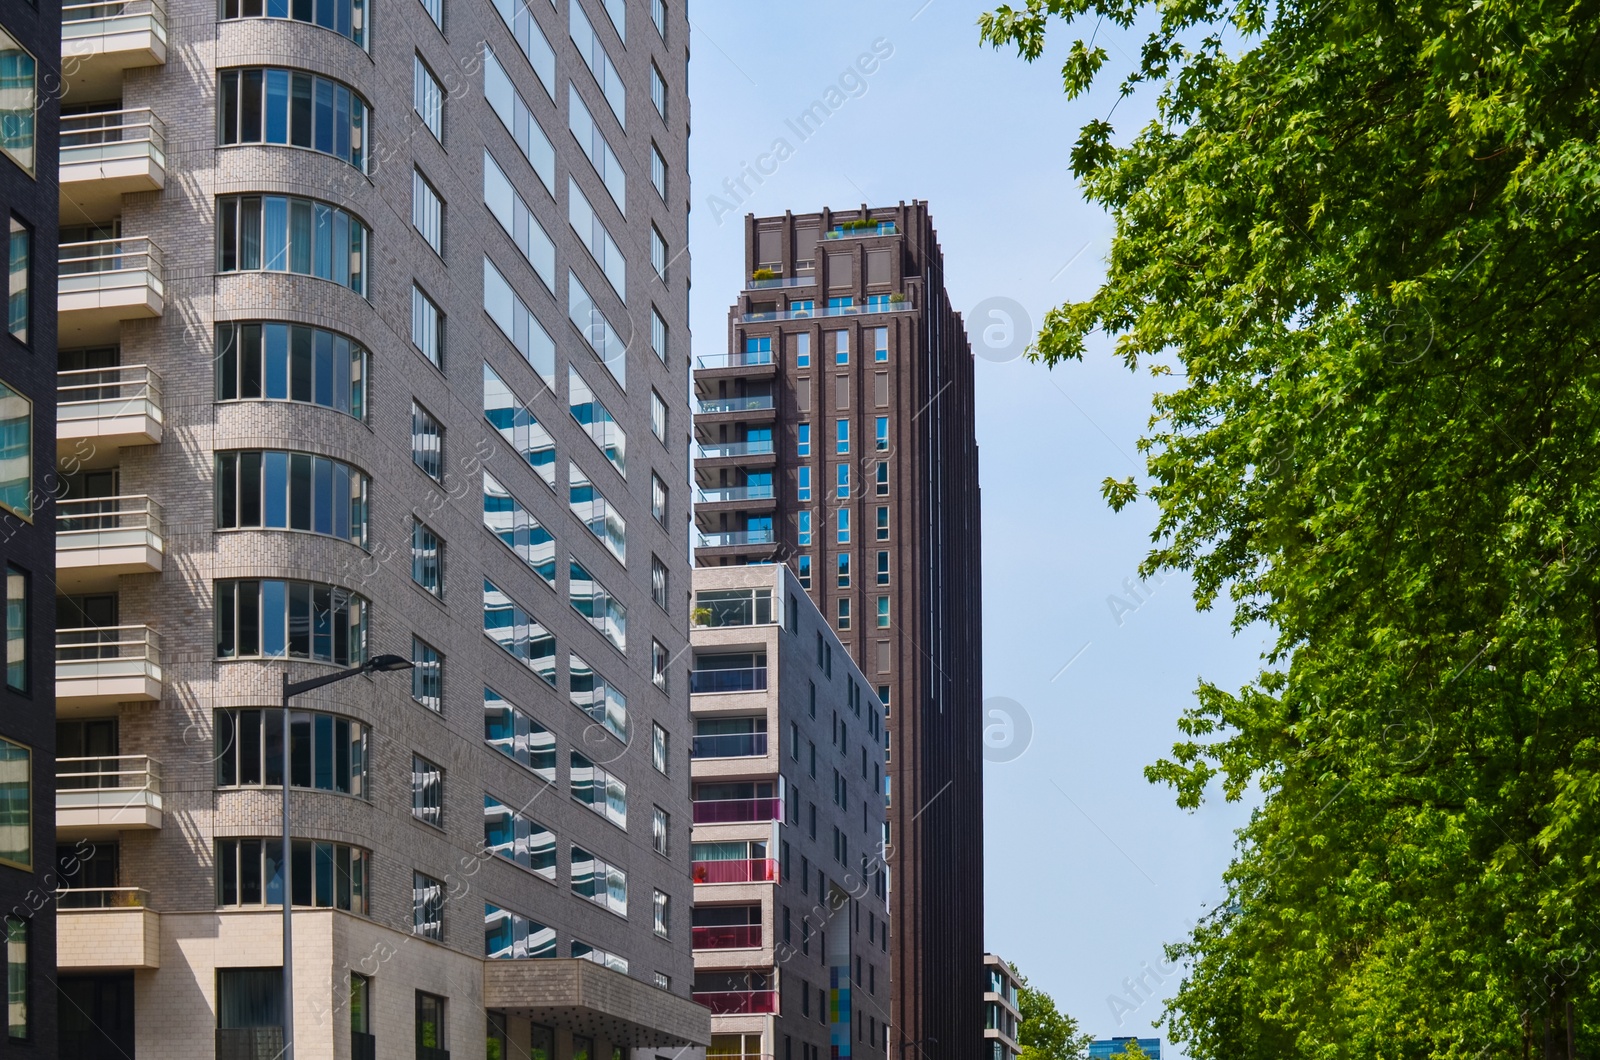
<point>1002,1017</point>
<point>1115,1046</point>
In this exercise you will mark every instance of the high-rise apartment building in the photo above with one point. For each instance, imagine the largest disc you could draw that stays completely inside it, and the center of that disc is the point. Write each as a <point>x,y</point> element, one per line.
<point>791,933</point>
<point>836,436</point>
<point>377,325</point>
<point>30,46</point>
<point>1001,1015</point>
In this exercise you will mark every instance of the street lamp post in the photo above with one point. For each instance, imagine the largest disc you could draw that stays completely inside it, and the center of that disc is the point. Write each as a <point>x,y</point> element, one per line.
<point>377,664</point>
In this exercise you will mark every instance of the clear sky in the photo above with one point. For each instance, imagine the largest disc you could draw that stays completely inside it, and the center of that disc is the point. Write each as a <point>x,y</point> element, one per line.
<point>1089,869</point>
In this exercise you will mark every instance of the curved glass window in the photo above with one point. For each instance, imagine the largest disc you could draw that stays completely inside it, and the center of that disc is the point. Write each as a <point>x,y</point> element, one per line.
<point>279,233</point>
<point>324,875</point>
<point>291,491</point>
<point>345,17</point>
<point>291,362</point>
<point>326,752</point>
<point>296,620</point>
<point>295,108</point>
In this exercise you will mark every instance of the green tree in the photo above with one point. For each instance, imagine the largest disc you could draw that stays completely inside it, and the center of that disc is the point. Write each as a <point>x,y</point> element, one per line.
<point>1361,242</point>
<point>1045,1032</point>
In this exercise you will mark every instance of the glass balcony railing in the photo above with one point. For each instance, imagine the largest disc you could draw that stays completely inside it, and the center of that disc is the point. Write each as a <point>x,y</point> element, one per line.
<point>735,359</point>
<point>109,664</point>
<point>754,870</point>
<point>806,279</point>
<point>717,494</point>
<point>732,607</point>
<point>120,791</point>
<point>903,305</point>
<point>851,230</point>
<point>743,679</point>
<point>82,21</point>
<point>730,745</point>
<point>727,450</point>
<point>119,406</point>
<point>736,811</point>
<point>737,1002</point>
<point>725,937</point>
<point>749,403</point>
<point>724,538</point>
<point>112,274</point>
<point>112,531</point>
<point>113,136</point>
<point>102,898</point>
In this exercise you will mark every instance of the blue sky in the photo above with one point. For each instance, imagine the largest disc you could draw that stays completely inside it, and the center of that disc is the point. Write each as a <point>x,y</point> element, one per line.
<point>1089,869</point>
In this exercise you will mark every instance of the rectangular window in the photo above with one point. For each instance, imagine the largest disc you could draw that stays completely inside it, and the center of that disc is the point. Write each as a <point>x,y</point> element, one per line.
<point>658,499</point>
<point>599,881</point>
<point>883,612</point>
<point>842,487</point>
<point>427,97</point>
<point>883,567</point>
<point>803,439</point>
<point>841,347</point>
<point>518,17</point>
<point>842,524</point>
<point>512,936</point>
<point>658,91</point>
<point>518,838</point>
<point>794,740</point>
<point>658,15</point>
<point>658,417</point>
<point>882,433</point>
<point>249,997</point>
<point>658,253</point>
<point>518,119</point>
<point>662,904</point>
<point>802,350</point>
<point>427,558</point>
<point>517,736</point>
<point>594,235</point>
<point>604,340</point>
<point>427,443</point>
<point>518,324</point>
<point>17,585</point>
<point>803,522</point>
<point>844,613</point>
<point>595,787</point>
<point>803,484</point>
<point>19,982</point>
<point>523,637</point>
<point>842,436</point>
<point>802,571</point>
<point>427,791</point>
<point>658,676</point>
<point>590,413</point>
<point>19,104</point>
<point>844,570</point>
<point>658,172</point>
<point>883,522</point>
<point>660,831</point>
<point>658,334</point>
<point>880,344</point>
<point>427,327</point>
<point>658,748</point>
<point>16,452</point>
<point>427,674</point>
<point>19,277</point>
<point>427,212</point>
<point>659,576</point>
<point>518,221</point>
<point>430,1023</point>
<point>593,52</point>
<point>883,478</point>
<point>435,10</point>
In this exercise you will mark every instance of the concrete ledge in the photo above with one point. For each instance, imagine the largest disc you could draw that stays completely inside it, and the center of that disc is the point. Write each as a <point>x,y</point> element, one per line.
<point>590,1000</point>
<point>91,939</point>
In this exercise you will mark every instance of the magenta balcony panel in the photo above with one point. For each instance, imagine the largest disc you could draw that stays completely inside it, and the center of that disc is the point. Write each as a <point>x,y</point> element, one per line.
<point>734,811</point>
<point>759,870</point>
<point>727,937</point>
<point>738,1002</point>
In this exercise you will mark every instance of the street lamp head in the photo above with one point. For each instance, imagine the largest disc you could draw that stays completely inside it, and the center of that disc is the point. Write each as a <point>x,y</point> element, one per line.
<point>388,663</point>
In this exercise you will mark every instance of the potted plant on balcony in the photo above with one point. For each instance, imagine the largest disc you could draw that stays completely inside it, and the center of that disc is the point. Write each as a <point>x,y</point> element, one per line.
<point>700,616</point>
<point>897,298</point>
<point>764,274</point>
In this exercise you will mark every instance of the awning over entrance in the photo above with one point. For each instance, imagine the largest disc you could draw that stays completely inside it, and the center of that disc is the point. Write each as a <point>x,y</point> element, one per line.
<point>594,1001</point>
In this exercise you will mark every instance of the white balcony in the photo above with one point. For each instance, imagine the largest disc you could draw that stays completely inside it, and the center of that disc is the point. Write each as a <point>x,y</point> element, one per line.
<point>103,537</point>
<point>100,41</point>
<point>107,408</point>
<point>105,282</point>
<point>106,928</point>
<point>122,792</point>
<point>100,667</point>
<point>106,155</point>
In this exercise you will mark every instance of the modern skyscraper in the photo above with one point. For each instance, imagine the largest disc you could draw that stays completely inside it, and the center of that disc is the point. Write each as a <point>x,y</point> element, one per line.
<point>791,934</point>
<point>30,46</point>
<point>836,436</point>
<point>378,324</point>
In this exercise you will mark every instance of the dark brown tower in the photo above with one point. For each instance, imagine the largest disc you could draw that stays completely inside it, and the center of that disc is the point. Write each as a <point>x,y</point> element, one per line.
<point>836,436</point>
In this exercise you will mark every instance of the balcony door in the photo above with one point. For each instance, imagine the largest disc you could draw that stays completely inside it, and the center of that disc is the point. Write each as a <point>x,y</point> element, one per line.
<point>96,1016</point>
<point>81,749</point>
